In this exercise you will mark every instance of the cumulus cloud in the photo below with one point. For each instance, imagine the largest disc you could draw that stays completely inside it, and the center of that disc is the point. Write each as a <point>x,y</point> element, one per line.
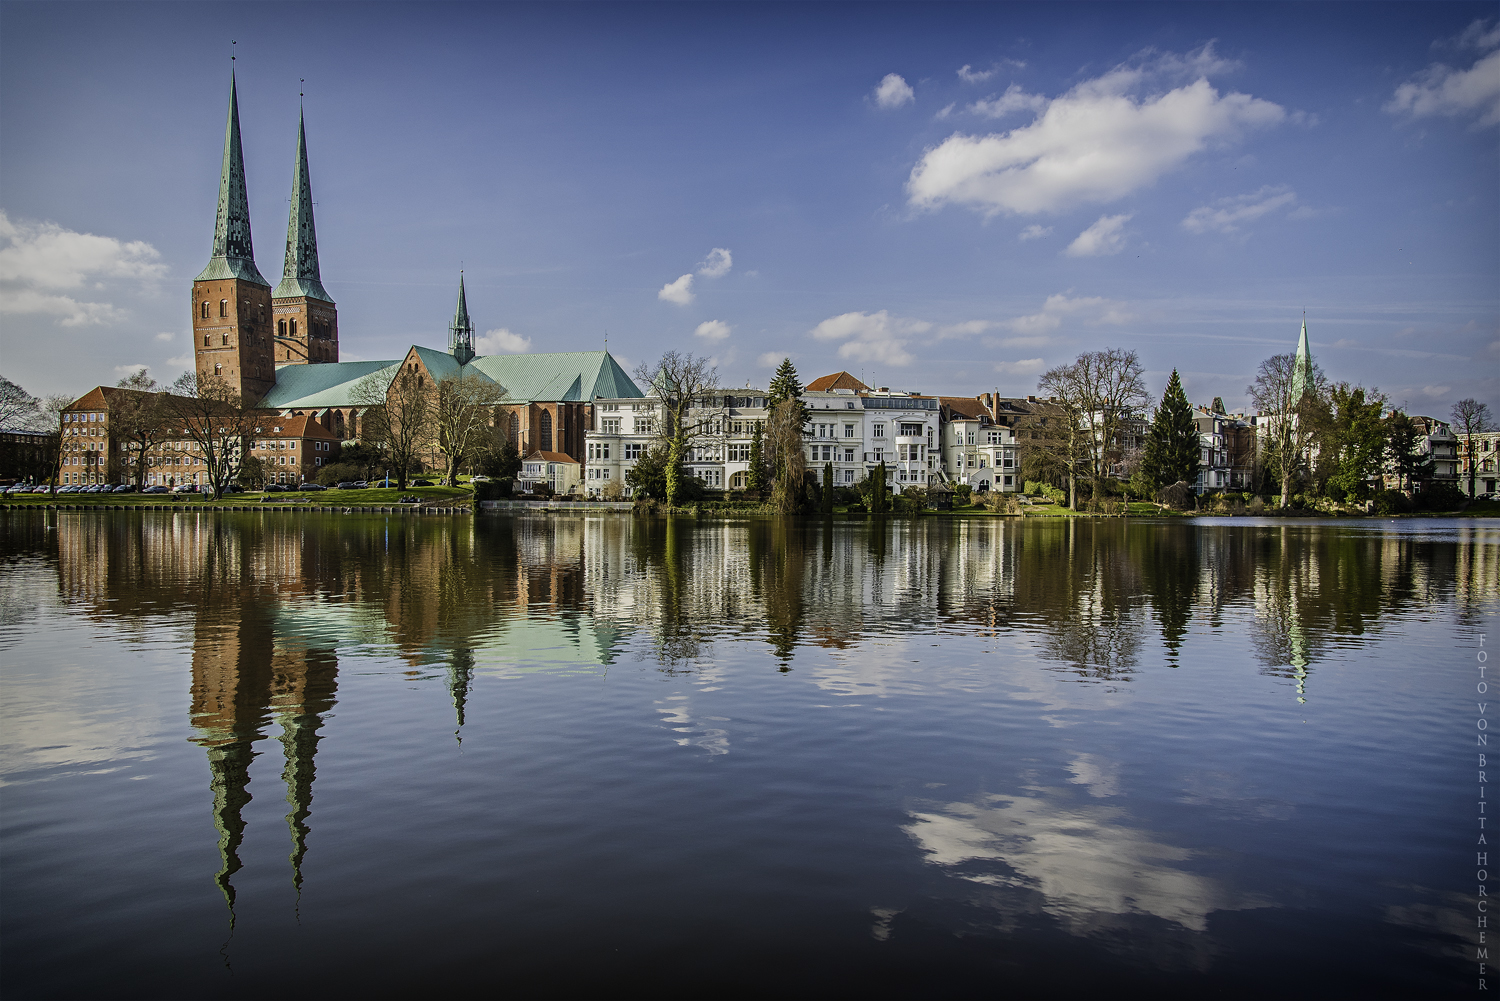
<point>165,337</point>
<point>716,265</point>
<point>39,260</point>
<point>680,291</point>
<point>1225,215</point>
<point>132,369</point>
<point>966,329</point>
<point>1027,366</point>
<point>1107,236</point>
<point>713,330</point>
<point>874,337</point>
<point>1034,232</point>
<point>501,341</point>
<point>1100,141</point>
<point>772,359</point>
<point>969,75</point>
<point>1449,92</point>
<point>1014,99</point>
<point>894,91</point>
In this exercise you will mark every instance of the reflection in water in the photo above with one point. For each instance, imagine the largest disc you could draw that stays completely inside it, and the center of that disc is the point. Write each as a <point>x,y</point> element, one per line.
<point>275,598</point>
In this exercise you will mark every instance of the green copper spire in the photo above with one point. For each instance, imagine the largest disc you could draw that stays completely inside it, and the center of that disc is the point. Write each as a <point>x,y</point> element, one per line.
<point>300,274</point>
<point>1302,367</point>
<point>233,255</point>
<point>461,334</point>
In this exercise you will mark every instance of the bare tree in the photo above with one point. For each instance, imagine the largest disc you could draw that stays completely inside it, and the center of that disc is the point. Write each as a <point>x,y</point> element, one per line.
<point>139,420</point>
<point>215,420</point>
<point>1470,417</point>
<point>1060,435</point>
<point>692,411</point>
<point>1291,415</point>
<point>463,412</point>
<point>784,436</point>
<point>400,417</point>
<point>18,408</point>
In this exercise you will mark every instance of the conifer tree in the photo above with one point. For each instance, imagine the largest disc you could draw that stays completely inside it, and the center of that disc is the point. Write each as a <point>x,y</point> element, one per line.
<point>1172,444</point>
<point>827,497</point>
<point>756,475</point>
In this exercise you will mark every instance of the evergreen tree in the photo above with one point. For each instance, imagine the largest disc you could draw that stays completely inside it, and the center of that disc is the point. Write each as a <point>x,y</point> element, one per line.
<point>1172,444</point>
<point>755,477</point>
<point>828,488</point>
<point>1404,443</point>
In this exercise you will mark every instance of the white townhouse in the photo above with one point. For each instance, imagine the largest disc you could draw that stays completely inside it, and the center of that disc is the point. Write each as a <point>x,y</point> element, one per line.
<point>856,428</point>
<point>979,445</point>
<point>623,429</point>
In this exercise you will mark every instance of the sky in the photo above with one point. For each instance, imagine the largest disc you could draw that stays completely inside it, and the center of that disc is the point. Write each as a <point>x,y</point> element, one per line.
<point>938,198</point>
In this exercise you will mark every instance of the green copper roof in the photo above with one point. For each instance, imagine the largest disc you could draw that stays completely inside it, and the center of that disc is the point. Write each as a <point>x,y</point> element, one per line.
<point>233,255</point>
<point>1302,371</point>
<point>461,334</point>
<point>313,387</point>
<point>300,273</point>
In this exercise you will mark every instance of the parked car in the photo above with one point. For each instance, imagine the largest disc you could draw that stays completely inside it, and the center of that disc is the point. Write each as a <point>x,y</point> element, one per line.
<point>155,489</point>
<point>125,488</point>
<point>185,488</point>
<point>361,485</point>
<point>275,488</point>
<point>479,479</point>
<point>346,485</point>
<point>311,486</point>
<point>421,483</point>
<point>384,484</point>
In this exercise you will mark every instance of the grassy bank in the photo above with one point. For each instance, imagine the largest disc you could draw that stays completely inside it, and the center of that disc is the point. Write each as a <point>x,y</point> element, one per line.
<point>376,497</point>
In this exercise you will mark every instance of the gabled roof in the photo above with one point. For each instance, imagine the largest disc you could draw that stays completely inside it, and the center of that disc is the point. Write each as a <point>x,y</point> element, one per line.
<point>102,397</point>
<point>838,380</point>
<point>313,387</point>
<point>540,456</point>
<point>297,426</point>
<point>963,407</point>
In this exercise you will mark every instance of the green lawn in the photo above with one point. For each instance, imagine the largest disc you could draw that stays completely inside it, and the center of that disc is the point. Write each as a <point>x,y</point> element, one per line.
<point>341,498</point>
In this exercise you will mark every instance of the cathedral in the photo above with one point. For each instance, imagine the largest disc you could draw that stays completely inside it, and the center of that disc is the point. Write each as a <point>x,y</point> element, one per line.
<point>281,346</point>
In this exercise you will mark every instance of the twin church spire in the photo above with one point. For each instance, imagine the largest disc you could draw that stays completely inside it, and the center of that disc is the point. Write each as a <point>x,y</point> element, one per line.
<point>300,273</point>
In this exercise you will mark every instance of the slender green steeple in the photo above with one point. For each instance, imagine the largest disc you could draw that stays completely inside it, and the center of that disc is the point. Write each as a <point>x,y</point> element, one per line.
<point>300,274</point>
<point>233,255</point>
<point>461,334</point>
<point>1302,367</point>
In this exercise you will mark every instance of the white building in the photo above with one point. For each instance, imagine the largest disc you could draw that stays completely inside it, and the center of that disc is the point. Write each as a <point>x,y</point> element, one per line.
<point>855,430</point>
<point>979,447</point>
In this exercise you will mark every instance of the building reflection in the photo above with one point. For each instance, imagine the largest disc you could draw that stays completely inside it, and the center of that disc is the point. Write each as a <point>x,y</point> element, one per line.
<point>272,600</point>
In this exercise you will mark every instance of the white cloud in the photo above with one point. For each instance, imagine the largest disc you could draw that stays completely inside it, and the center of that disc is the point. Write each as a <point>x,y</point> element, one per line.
<point>1034,232</point>
<point>1436,391</point>
<point>772,359</point>
<point>165,337</point>
<point>39,259</point>
<point>893,91</point>
<point>713,330</point>
<point>1092,310</point>
<point>1014,99</point>
<point>1479,35</point>
<point>501,341</point>
<point>1224,215</point>
<point>680,291</point>
<point>966,329</point>
<point>1028,366</point>
<point>968,75</point>
<point>716,265</point>
<point>1442,90</point>
<point>140,366</point>
<point>1107,236</point>
<point>188,362</point>
<point>877,337</point>
<point>946,110</point>
<point>1097,143</point>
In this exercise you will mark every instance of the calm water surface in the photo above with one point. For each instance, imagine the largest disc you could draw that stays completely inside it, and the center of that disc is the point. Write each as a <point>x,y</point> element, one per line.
<point>352,756</point>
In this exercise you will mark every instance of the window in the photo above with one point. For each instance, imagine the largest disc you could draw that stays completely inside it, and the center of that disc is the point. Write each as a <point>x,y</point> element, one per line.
<point>218,370</point>
<point>223,307</point>
<point>206,339</point>
<point>280,328</point>
<point>848,476</point>
<point>849,405</point>
<point>911,430</point>
<point>878,431</point>
<point>739,453</point>
<point>226,340</point>
<point>610,425</point>
<point>739,481</point>
<point>291,328</point>
<point>633,450</point>
<point>598,450</point>
<point>849,429</point>
<point>645,426</point>
<point>611,406</point>
<point>848,455</point>
<point>205,309</point>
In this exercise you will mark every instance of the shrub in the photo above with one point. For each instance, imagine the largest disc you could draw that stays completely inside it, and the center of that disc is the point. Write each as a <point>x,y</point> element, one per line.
<point>613,490</point>
<point>491,490</point>
<point>1178,496</point>
<point>1002,503</point>
<point>1441,497</point>
<point>1390,502</point>
<point>1256,504</point>
<point>340,472</point>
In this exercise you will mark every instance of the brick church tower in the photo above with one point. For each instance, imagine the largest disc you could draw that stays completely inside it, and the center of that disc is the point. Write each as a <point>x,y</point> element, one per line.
<point>231,301</point>
<point>307,321</point>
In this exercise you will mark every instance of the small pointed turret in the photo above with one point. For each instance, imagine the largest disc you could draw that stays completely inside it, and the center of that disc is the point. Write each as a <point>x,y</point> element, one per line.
<point>1302,367</point>
<point>461,333</point>
<point>233,255</point>
<point>300,274</point>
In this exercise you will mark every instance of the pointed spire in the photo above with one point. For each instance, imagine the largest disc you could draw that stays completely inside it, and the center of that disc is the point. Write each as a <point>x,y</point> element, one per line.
<point>300,275</point>
<point>233,255</point>
<point>1302,370</point>
<point>461,334</point>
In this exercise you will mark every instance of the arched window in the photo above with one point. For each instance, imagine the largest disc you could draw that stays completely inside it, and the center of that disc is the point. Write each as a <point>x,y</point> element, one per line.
<point>205,339</point>
<point>544,436</point>
<point>205,309</point>
<point>513,432</point>
<point>218,370</point>
<point>226,340</point>
<point>292,327</point>
<point>223,307</point>
<point>280,328</point>
<point>739,481</point>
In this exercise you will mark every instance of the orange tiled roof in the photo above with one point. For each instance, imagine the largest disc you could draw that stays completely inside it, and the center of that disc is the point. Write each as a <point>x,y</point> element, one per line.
<point>838,380</point>
<point>552,457</point>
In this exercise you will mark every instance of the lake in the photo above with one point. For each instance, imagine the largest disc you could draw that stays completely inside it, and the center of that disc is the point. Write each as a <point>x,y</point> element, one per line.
<point>322,755</point>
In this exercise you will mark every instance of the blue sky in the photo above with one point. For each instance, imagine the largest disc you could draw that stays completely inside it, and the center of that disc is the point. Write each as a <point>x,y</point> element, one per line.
<point>944,198</point>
